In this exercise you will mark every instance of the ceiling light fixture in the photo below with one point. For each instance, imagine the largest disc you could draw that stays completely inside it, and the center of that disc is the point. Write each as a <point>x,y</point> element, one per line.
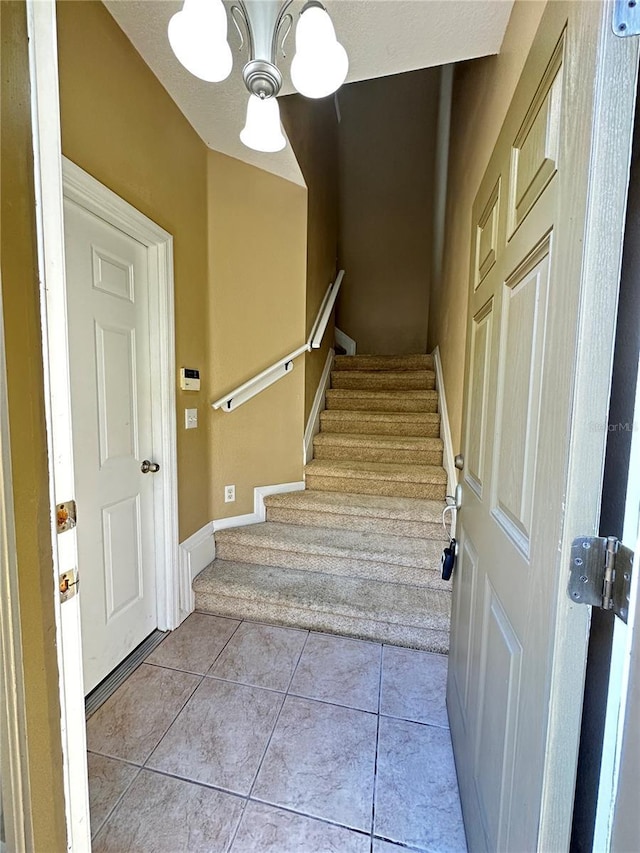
<point>198,37</point>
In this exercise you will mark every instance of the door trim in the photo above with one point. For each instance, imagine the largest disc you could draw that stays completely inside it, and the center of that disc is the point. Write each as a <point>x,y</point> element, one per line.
<point>600,251</point>
<point>15,790</point>
<point>94,197</point>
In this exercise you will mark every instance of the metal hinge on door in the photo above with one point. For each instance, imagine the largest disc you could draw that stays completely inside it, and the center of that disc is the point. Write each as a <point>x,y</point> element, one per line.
<point>626,18</point>
<point>601,573</point>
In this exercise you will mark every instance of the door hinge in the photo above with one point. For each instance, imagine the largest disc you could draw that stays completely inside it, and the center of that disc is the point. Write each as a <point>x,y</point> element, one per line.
<point>68,583</point>
<point>600,573</point>
<point>626,18</point>
<point>66,516</point>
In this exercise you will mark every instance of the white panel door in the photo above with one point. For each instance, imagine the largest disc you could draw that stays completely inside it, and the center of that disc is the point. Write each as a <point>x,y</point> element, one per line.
<point>525,330</point>
<point>108,317</point>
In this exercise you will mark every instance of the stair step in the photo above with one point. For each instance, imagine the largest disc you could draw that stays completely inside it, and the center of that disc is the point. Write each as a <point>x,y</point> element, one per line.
<point>391,516</point>
<point>346,553</point>
<point>418,361</point>
<point>405,615</point>
<point>356,399</point>
<point>384,380</point>
<point>377,478</point>
<point>378,448</point>
<point>381,423</point>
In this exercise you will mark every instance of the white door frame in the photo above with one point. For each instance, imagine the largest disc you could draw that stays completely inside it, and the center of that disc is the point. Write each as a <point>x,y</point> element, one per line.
<point>94,197</point>
<point>48,174</point>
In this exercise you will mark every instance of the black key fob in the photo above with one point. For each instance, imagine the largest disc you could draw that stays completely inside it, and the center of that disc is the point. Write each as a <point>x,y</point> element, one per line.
<point>448,560</point>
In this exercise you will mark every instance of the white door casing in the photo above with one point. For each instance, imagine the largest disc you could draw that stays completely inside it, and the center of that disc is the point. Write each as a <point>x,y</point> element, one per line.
<point>546,248</point>
<point>93,197</point>
<point>108,320</point>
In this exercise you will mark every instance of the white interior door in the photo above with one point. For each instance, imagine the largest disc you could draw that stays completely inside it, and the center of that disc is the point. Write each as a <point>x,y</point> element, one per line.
<point>540,339</point>
<point>108,318</point>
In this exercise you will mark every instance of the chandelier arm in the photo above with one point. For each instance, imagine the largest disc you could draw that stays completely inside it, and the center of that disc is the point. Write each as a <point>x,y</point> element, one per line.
<point>241,10</point>
<point>286,24</point>
<point>282,14</point>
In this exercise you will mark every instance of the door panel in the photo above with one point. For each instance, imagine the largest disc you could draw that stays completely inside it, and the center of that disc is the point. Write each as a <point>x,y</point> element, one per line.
<point>108,316</point>
<point>481,330</point>
<point>520,355</point>
<point>499,681</point>
<point>512,624</point>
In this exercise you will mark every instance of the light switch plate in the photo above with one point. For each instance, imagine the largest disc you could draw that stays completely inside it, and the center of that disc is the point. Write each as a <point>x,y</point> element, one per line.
<point>190,418</point>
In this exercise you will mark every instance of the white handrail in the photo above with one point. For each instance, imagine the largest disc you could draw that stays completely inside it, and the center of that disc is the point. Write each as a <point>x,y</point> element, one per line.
<point>267,377</point>
<point>326,308</point>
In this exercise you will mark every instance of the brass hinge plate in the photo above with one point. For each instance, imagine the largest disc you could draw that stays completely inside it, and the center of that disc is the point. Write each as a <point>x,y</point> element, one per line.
<point>68,583</point>
<point>601,573</point>
<point>66,516</point>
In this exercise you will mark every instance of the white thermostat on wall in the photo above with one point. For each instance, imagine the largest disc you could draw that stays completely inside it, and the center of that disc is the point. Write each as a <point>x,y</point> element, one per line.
<point>189,379</point>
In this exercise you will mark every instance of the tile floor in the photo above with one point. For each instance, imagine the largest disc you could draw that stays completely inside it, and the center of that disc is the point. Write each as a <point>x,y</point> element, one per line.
<point>249,738</point>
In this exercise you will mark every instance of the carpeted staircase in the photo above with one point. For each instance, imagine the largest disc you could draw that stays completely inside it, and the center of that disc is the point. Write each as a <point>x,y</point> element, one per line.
<point>358,552</point>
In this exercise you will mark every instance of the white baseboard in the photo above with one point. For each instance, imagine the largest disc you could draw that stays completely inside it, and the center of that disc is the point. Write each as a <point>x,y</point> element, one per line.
<point>199,550</point>
<point>196,553</point>
<point>259,510</point>
<point>313,424</point>
<point>445,428</point>
<point>343,340</point>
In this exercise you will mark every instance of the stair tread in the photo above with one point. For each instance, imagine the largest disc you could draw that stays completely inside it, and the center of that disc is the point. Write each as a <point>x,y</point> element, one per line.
<point>391,442</point>
<point>385,394</point>
<point>378,470</point>
<point>380,600</point>
<point>374,506</point>
<point>388,374</point>
<point>383,362</point>
<point>379,417</point>
<point>330,542</point>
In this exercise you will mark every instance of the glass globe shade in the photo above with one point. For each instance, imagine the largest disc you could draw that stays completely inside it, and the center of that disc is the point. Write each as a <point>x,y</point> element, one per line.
<point>315,31</point>
<point>198,37</point>
<point>319,75</point>
<point>320,64</point>
<point>262,130</point>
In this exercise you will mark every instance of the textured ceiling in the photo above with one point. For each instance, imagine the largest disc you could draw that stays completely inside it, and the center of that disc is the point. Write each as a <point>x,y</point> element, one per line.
<point>381,37</point>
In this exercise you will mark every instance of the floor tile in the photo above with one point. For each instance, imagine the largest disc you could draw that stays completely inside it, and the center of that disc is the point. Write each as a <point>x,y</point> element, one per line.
<point>414,686</point>
<point>195,645</point>
<point>321,762</point>
<point>382,846</point>
<point>270,830</point>
<point>261,655</point>
<point>159,814</point>
<point>108,780</point>
<point>220,736</point>
<point>417,801</point>
<point>132,721</point>
<point>336,669</point>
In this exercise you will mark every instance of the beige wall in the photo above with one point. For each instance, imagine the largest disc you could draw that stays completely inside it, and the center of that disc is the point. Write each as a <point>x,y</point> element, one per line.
<point>482,93</point>
<point>257,241</point>
<point>387,148</point>
<point>239,246</point>
<point>28,440</point>
<point>120,125</point>
<point>312,128</point>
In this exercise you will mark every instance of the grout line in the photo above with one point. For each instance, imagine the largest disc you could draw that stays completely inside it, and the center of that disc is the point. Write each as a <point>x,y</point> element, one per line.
<point>115,805</point>
<point>171,724</point>
<point>325,820</point>
<point>295,668</point>
<point>375,766</point>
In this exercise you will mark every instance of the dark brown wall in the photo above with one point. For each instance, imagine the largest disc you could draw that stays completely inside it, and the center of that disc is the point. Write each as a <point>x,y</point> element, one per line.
<point>387,149</point>
<point>312,129</point>
<point>21,316</point>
